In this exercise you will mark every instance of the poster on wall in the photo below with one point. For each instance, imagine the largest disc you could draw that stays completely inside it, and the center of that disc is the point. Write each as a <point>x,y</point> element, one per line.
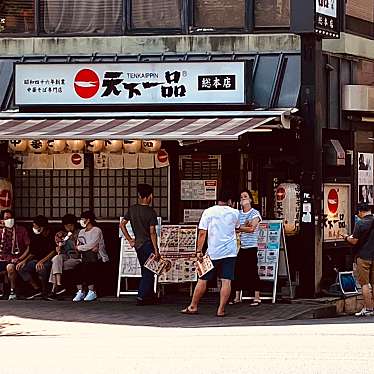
<point>336,211</point>
<point>198,189</point>
<point>365,178</point>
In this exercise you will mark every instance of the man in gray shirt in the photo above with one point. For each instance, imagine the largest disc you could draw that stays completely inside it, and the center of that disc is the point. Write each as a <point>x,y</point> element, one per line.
<point>143,220</point>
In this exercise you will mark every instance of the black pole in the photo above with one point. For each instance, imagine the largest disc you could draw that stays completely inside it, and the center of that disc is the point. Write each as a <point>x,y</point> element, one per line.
<point>311,156</point>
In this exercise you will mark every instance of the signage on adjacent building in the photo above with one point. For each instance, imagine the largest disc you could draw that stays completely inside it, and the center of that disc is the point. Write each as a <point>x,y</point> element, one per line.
<point>337,216</point>
<point>136,83</point>
<point>316,16</point>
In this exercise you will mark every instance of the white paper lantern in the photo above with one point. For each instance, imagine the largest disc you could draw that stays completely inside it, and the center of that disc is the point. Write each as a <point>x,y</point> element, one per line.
<point>57,145</point>
<point>287,206</point>
<point>75,145</point>
<point>113,145</point>
<point>151,146</point>
<point>17,145</point>
<point>132,146</point>
<point>95,145</point>
<point>37,146</point>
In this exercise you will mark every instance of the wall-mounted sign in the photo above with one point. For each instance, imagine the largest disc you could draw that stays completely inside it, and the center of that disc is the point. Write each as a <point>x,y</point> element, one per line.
<point>198,189</point>
<point>365,178</point>
<point>136,83</point>
<point>318,16</point>
<point>336,211</point>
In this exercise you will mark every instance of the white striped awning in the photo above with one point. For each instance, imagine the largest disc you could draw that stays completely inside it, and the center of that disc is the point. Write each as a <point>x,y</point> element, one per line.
<point>182,128</point>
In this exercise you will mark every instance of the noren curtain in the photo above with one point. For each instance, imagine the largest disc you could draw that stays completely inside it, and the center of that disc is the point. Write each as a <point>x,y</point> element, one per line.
<point>82,16</point>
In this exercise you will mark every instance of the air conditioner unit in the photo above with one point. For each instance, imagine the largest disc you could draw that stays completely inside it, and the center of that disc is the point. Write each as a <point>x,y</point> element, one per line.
<point>358,98</point>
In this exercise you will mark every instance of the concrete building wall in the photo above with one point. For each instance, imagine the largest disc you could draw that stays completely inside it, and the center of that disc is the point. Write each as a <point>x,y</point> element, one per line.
<point>150,44</point>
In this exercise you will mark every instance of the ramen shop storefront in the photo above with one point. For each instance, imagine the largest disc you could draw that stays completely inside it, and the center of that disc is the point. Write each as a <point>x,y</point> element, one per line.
<point>75,148</point>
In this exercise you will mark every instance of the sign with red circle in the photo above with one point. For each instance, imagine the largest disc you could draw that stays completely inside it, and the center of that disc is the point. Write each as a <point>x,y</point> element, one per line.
<point>281,193</point>
<point>162,156</point>
<point>5,199</point>
<point>86,83</point>
<point>76,159</point>
<point>333,201</point>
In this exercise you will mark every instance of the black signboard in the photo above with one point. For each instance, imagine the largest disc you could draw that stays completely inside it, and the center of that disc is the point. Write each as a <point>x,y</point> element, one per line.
<point>322,17</point>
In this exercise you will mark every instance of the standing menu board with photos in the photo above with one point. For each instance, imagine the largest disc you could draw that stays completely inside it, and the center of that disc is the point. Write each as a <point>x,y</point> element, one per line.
<point>272,258</point>
<point>178,245</point>
<point>129,266</point>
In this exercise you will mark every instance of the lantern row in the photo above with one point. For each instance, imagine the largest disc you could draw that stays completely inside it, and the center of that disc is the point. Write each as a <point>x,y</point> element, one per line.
<point>95,146</point>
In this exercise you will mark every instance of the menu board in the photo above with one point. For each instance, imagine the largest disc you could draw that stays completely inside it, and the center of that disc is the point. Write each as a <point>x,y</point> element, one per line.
<point>269,243</point>
<point>178,245</point>
<point>198,189</point>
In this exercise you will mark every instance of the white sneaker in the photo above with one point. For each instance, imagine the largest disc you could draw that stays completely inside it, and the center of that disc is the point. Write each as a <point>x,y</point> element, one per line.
<point>364,313</point>
<point>79,296</point>
<point>12,296</point>
<point>91,296</point>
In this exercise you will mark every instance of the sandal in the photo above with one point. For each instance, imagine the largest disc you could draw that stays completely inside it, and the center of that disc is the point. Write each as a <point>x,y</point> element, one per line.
<point>255,303</point>
<point>189,311</point>
<point>233,302</point>
<point>221,315</point>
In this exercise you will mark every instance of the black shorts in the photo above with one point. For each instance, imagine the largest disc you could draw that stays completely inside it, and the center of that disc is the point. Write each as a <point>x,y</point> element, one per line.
<point>224,268</point>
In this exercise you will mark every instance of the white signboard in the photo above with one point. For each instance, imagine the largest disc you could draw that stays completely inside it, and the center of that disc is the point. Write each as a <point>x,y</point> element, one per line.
<point>365,178</point>
<point>192,215</point>
<point>198,189</point>
<point>336,209</point>
<point>130,83</point>
<point>327,7</point>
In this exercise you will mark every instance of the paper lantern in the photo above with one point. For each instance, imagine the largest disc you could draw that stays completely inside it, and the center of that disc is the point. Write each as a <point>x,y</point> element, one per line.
<point>151,145</point>
<point>57,145</point>
<point>95,145</point>
<point>132,146</point>
<point>17,145</point>
<point>6,194</point>
<point>113,145</point>
<point>287,206</point>
<point>37,146</point>
<point>75,145</point>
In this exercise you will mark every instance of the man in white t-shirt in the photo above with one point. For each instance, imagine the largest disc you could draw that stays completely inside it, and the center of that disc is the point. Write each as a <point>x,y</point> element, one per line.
<point>219,222</point>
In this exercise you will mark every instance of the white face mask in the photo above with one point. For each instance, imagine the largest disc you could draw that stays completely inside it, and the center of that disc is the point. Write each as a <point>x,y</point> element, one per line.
<point>36,231</point>
<point>83,223</point>
<point>244,202</point>
<point>9,223</point>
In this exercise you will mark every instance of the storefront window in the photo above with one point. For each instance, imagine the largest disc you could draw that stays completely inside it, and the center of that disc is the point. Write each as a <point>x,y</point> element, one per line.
<point>54,193</point>
<point>272,13</point>
<point>156,14</point>
<point>81,16</point>
<point>219,13</point>
<point>17,16</point>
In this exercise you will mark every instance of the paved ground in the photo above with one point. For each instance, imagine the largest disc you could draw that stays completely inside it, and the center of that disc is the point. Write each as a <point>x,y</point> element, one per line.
<point>166,314</point>
<point>60,337</point>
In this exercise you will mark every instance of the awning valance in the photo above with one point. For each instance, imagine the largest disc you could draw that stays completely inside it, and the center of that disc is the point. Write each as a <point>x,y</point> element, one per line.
<point>190,126</point>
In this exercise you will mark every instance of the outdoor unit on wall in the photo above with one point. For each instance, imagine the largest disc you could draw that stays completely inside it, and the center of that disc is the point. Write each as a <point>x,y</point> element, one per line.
<point>358,98</point>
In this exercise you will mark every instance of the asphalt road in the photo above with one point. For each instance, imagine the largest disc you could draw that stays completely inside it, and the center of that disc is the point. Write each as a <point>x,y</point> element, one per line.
<point>341,345</point>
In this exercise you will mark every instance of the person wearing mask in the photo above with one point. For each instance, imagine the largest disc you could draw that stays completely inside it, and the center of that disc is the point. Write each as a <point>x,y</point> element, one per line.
<point>14,247</point>
<point>37,264</point>
<point>219,223</point>
<point>143,220</point>
<point>67,257</point>
<point>362,239</point>
<point>246,272</point>
<point>91,247</point>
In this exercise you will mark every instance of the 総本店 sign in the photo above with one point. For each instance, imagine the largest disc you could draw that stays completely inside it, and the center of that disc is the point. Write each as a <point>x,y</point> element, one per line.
<point>135,83</point>
<point>321,17</point>
<point>326,18</point>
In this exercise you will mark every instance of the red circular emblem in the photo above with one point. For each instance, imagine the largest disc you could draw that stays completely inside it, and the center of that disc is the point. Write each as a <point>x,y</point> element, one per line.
<point>333,201</point>
<point>162,156</point>
<point>86,83</point>
<point>281,193</point>
<point>76,159</point>
<point>5,199</point>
